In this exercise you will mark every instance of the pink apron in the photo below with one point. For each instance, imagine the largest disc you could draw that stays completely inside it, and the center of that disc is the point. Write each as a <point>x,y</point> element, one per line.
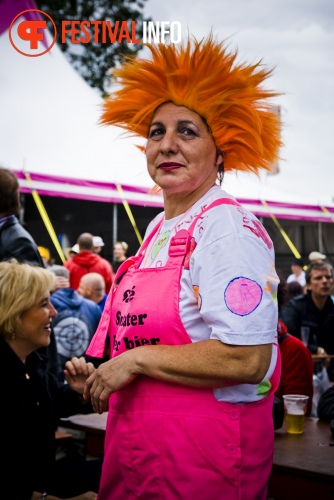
<point>166,441</point>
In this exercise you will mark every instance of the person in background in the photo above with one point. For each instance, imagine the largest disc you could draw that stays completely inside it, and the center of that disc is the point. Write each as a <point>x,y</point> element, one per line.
<point>326,405</point>
<point>315,310</point>
<point>15,241</point>
<point>74,250</point>
<point>45,254</point>
<point>86,261</point>
<point>293,289</point>
<point>93,287</point>
<point>297,367</point>
<point>71,251</point>
<point>192,317</point>
<point>98,244</point>
<point>298,273</point>
<point>120,249</point>
<point>35,398</point>
<point>316,256</point>
<point>297,362</point>
<point>77,318</point>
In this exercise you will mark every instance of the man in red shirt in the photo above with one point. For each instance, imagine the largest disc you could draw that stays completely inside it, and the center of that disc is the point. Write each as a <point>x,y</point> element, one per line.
<point>86,261</point>
<point>297,366</point>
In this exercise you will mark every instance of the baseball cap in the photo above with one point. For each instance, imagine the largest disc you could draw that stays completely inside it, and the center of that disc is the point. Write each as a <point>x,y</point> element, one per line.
<point>316,256</point>
<point>75,248</point>
<point>98,241</point>
<point>44,252</point>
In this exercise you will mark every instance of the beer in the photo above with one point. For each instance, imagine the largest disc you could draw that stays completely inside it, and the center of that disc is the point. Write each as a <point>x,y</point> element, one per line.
<point>295,422</point>
<point>295,408</point>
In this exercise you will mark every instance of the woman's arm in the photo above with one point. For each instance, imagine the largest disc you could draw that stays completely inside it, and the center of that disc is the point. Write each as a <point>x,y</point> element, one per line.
<point>76,372</point>
<point>208,363</point>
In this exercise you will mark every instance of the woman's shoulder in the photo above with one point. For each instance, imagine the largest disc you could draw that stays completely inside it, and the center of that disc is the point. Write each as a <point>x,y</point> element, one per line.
<point>220,202</point>
<point>158,218</point>
<point>228,218</point>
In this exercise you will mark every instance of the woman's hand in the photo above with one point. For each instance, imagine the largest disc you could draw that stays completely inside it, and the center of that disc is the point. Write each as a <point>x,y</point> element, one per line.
<point>208,363</point>
<point>88,495</point>
<point>109,378</point>
<point>76,372</point>
<point>321,352</point>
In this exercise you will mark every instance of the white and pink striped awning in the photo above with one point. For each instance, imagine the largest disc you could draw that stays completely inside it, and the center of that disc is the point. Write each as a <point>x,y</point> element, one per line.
<point>66,187</point>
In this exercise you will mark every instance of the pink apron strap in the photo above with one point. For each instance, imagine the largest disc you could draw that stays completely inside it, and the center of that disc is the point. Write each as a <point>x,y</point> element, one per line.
<point>148,240</point>
<point>97,344</point>
<point>192,246</point>
<point>181,247</point>
<point>216,203</point>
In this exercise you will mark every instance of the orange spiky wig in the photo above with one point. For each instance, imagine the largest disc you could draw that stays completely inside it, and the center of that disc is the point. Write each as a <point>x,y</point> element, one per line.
<point>205,78</point>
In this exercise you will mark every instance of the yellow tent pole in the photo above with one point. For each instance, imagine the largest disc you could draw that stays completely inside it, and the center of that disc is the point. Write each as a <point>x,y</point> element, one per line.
<point>128,211</point>
<point>283,233</point>
<point>324,209</point>
<point>45,218</point>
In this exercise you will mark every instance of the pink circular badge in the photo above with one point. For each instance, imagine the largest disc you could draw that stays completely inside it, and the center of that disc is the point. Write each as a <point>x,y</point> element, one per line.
<point>242,296</point>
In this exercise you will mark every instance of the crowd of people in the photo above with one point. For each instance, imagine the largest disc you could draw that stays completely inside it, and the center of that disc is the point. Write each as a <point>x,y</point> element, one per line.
<point>311,307</point>
<point>306,312</point>
<point>183,343</point>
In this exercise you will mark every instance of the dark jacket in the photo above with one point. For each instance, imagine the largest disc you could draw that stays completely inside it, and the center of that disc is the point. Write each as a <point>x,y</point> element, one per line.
<point>16,242</point>
<point>301,311</point>
<point>32,402</point>
<point>326,405</point>
<point>75,323</point>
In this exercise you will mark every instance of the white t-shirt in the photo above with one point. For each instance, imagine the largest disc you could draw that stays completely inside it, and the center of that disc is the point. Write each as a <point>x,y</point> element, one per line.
<point>301,278</point>
<point>229,292</point>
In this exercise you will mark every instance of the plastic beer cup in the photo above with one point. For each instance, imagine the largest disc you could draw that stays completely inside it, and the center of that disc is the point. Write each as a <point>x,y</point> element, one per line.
<point>295,409</point>
<point>304,334</point>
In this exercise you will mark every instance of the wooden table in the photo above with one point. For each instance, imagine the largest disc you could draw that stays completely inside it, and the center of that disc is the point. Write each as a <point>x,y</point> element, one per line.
<point>94,426</point>
<point>322,356</point>
<point>303,465</point>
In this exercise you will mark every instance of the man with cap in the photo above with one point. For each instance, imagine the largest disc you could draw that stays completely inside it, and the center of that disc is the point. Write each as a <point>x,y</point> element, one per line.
<point>87,261</point>
<point>98,244</point>
<point>45,254</point>
<point>314,256</point>
<point>298,273</point>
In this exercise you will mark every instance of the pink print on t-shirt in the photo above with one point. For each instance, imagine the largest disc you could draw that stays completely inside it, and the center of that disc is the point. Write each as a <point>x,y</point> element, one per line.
<point>242,296</point>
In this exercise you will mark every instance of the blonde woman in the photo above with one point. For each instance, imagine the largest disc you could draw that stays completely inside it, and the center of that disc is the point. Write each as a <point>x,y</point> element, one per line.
<point>33,399</point>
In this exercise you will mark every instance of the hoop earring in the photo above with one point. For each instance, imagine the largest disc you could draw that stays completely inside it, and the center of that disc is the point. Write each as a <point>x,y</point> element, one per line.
<point>221,171</point>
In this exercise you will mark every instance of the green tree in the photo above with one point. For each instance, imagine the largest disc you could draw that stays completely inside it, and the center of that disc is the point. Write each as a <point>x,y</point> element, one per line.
<point>94,60</point>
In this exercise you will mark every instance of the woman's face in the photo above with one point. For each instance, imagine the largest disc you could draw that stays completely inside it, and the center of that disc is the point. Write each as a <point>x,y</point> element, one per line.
<point>181,154</point>
<point>119,251</point>
<point>35,324</point>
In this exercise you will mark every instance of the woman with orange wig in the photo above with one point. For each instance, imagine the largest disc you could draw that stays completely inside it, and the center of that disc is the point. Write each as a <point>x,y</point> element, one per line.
<point>192,317</point>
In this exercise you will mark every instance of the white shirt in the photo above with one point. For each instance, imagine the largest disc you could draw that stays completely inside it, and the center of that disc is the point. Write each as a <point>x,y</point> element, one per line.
<point>229,292</point>
<point>301,278</point>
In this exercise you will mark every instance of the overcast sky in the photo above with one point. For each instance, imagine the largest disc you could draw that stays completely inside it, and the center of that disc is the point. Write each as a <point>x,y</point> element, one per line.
<point>297,38</point>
